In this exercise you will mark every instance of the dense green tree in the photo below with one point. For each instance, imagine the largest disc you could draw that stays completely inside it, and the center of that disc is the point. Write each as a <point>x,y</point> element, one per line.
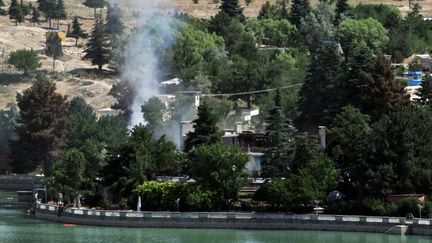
<point>313,182</point>
<point>77,32</point>
<point>41,129</point>
<point>388,16</point>
<point>8,121</point>
<point>299,10</point>
<point>92,138</point>
<point>349,145</point>
<point>367,32</point>
<point>97,49</point>
<point>25,60</point>
<point>342,10</point>
<point>35,16</point>
<point>195,51</point>
<point>268,11</point>
<point>153,112</point>
<point>351,89</point>
<point>317,26</point>
<point>384,93</point>
<point>15,12</point>
<point>233,9</point>
<point>123,93</point>
<point>59,12</point>
<point>68,174</point>
<point>54,47</point>
<point>402,144</point>
<point>219,169</point>
<point>425,92</point>
<point>244,75</point>
<point>278,143</point>
<point>82,122</point>
<point>272,32</point>
<point>276,11</point>
<point>138,159</point>
<point>318,104</point>
<point>114,26</point>
<point>48,8</point>
<point>26,8</point>
<point>95,4</point>
<point>205,130</point>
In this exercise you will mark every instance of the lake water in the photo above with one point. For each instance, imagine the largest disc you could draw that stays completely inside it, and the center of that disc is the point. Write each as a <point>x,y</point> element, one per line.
<point>17,226</point>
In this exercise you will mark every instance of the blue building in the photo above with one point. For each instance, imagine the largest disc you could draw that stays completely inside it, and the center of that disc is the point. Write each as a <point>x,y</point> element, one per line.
<point>415,78</point>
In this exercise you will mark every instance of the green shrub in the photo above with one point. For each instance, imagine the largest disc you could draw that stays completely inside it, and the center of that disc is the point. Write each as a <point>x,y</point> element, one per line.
<point>410,205</point>
<point>159,195</point>
<point>379,207</point>
<point>25,60</point>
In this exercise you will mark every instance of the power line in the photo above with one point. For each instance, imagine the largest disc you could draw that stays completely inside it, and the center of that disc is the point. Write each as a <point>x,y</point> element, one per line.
<point>252,92</point>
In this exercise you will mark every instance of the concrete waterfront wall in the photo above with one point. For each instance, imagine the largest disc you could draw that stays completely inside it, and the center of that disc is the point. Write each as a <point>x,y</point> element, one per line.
<point>231,220</point>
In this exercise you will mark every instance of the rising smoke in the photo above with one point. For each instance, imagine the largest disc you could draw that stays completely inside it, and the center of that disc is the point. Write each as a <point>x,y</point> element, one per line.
<point>144,51</point>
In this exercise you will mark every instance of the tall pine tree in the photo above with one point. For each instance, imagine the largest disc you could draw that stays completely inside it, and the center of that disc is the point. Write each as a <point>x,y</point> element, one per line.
<point>352,90</point>
<point>95,4</point>
<point>77,31</point>
<point>342,9</point>
<point>425,92</point>
<point>114,26</point>
<point>384,92</point>
<point>42,128</point>
<point>48,8</point>
<point>233,9</point>
<point>318,102</point>
<point>35,16</point>
<point>98,51</point>
<point>60,13</point>
<point>16,12</point>
<point>278,143</point>
<point>299,10</point>
<point>54,47</point>
<point>205,130</point>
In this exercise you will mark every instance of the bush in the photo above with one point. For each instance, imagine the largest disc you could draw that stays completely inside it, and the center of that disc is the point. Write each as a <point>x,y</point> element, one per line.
<point>25,60</point>
<point>367,206</point>
<point>276,193</point>
<point>379,207</point>
<point>411,206</point>
<point>159,195</point>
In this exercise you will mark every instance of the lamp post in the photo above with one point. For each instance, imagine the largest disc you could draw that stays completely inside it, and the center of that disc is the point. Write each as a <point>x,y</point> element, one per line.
<point>177,203</point>
<point>420,209</point>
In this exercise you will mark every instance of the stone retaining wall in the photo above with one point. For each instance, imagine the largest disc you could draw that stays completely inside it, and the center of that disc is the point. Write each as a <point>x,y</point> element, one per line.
<point>231,220</point>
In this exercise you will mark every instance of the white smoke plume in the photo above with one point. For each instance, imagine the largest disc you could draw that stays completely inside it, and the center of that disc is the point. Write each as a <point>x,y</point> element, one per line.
<point>143,66</point>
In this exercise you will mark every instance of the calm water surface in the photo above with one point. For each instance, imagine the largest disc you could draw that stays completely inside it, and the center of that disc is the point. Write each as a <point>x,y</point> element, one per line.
<point>16,226</point>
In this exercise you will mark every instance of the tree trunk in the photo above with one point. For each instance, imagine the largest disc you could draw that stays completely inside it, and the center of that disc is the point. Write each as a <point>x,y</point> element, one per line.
<point>94,10</point>
<point>48,167</point>
<point>100,67</point>
<point>53,64</point>
<point>50,23</point>
<point>76,41</point>
<point>16,23</point>
<point>58,24</point>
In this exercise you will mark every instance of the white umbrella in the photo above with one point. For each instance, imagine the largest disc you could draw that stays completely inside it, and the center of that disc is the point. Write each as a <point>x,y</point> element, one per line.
<point>139,204</point>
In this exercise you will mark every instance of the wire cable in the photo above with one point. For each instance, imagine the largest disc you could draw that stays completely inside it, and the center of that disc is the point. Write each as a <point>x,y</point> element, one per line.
<point>252,92</point>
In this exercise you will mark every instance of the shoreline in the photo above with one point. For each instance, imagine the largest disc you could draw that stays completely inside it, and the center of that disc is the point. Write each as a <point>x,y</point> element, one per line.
<point>236,220</point>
